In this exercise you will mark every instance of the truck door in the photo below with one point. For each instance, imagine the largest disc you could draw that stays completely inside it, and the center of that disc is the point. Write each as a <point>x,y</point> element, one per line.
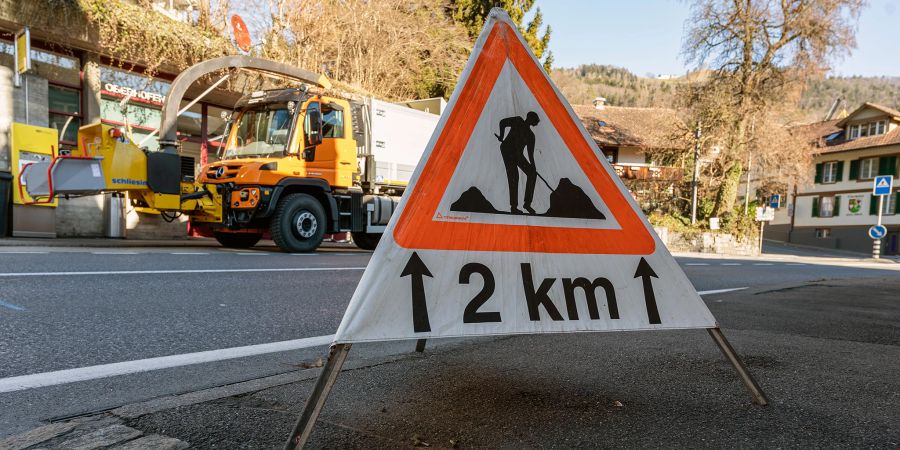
<point>336,150</point>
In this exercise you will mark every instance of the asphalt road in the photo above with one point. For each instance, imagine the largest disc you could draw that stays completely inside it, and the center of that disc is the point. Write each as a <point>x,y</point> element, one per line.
<point>72,308</point>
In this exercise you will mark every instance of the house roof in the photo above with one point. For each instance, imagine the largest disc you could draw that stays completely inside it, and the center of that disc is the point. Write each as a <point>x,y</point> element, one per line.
<point>867,105</point>
<point>816,135</point>
<point>647,128</point>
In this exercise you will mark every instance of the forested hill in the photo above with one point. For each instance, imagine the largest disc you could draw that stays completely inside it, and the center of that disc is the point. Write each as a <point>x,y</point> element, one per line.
<point>620,87</point>
<point>820,94</point>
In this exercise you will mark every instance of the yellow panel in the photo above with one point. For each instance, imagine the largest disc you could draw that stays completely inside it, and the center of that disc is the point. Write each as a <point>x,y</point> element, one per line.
<point>23,50</point>
<point>124,164</point>
<point>29,144</point>
<point>168,202</point>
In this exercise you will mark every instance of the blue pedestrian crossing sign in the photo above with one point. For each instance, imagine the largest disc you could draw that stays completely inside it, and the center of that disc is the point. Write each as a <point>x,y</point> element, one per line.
<point>877,231</point>
<point>882,185</point>
<point>775,201</point>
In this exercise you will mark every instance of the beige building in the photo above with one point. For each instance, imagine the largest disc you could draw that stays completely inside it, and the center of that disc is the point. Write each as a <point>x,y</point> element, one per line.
<point>837,209</point>
<point>629,138</point>
<point>75,81</point>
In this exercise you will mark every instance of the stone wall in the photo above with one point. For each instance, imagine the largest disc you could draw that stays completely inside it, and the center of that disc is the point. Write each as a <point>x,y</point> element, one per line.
<point>708,242</point>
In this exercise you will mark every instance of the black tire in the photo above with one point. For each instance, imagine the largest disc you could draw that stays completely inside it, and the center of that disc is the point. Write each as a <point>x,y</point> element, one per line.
<point>238,240</point>
<point>298,224</point>
<point>366,241</point>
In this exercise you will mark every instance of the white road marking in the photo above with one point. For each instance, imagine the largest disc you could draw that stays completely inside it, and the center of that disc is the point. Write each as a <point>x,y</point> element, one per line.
<point>731,264</point>
<point>762,264</point>
<point>720,291</point>
<point>697,264</point>
<point>114,253</point>
<point>189,253</point>
<point>23,253</point>
<point>37,380</point>
<point>45,379</point>
<point>795,264</point>
<point>253,254</point>
<point>166,272</point>
<point>304,254</point>
<point>11,306</point>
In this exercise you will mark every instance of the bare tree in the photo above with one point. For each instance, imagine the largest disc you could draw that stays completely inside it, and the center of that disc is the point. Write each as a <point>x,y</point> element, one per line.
<point>397,49</point>
<point>761,52</point>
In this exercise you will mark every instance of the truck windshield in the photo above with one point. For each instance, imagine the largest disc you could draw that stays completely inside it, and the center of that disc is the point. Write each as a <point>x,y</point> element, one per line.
<point>262,130</point>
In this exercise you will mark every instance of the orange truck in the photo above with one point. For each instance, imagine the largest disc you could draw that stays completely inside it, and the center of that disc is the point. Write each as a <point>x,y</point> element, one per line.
<point>297,164</point>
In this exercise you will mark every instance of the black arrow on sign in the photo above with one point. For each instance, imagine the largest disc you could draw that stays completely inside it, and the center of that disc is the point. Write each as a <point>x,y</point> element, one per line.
<point>418,270</point>
<point>645,271</point>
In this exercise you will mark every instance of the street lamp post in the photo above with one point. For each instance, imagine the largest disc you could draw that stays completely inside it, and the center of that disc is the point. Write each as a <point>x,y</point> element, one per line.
<point>695,180</point>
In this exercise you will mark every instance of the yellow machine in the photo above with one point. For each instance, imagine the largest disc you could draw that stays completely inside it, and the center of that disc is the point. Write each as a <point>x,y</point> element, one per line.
<point>291,168</point>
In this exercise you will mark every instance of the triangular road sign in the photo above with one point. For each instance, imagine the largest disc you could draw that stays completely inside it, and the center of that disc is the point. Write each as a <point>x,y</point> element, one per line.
<point>514,222</point>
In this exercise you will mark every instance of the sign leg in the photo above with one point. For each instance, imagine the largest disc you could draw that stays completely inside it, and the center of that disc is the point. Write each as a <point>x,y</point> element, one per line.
<point>755,391</point>
<point>336,357</point>
<point>420,345</point>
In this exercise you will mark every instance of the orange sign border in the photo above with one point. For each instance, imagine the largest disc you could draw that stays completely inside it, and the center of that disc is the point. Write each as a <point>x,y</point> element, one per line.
<point>416,228</point>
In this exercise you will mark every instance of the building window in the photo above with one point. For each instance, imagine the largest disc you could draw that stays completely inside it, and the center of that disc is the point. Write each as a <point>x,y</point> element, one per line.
<point>64,105</point>
<point>868,168</point>
<point>822,233</point>
<point>867,129</point>
<point>829,172</point>
<point>889,206</point>
<point>826,206</point>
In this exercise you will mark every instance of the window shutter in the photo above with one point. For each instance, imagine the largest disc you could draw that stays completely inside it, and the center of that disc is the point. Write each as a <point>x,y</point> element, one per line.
<point>840,171</point>
<point>873,205</point>
<point>819,173</point>
<point>854,170</point>
<point>887,165</point>
<point>815,206</point>
<point>837,206</point>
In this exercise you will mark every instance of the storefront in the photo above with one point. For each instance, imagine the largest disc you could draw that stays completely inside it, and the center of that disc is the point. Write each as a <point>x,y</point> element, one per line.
<point>65,89</point>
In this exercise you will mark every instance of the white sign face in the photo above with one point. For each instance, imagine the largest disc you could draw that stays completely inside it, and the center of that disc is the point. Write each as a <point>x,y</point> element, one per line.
<point>854,204</point>
<point>514,222</point>
<point>765,214</point>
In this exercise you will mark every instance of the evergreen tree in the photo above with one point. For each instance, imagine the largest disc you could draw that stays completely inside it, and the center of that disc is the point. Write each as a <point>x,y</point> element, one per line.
<point>472,13</point>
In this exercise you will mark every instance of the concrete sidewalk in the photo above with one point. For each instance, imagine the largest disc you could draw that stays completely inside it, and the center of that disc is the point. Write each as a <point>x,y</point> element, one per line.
<point>827,354</point>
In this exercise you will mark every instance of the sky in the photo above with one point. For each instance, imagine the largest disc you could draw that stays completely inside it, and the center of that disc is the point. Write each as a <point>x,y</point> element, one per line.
<point>644,36</point>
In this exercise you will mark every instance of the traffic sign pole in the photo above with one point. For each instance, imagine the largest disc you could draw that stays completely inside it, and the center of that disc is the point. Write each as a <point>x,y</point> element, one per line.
<point>876,243</point>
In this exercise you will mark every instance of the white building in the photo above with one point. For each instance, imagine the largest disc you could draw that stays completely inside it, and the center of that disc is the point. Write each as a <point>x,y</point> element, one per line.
<point>837,209</point>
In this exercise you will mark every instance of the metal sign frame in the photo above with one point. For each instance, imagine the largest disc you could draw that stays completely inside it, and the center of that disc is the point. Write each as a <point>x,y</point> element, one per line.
<point>880,192</point>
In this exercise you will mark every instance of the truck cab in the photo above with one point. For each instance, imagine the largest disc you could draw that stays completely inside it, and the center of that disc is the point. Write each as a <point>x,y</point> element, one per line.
<point>289,170</point>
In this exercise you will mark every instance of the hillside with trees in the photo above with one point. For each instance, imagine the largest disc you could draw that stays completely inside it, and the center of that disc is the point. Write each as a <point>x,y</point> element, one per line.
<point>820,94</point>
<point>621,87</point>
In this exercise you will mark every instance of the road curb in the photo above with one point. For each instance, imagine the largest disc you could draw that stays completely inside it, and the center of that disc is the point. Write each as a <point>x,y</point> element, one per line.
<point>148,243</point>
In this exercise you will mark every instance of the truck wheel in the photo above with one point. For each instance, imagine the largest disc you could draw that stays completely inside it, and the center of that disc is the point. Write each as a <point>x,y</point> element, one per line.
<point>366,241</point>
<point>238,240</point>
<point>298,224</point>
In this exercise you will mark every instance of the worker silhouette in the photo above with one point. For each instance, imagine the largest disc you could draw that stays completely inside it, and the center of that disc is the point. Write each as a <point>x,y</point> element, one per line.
<point>512,147</point>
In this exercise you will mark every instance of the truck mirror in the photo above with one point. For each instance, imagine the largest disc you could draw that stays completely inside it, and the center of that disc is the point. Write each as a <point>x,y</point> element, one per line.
<point>313,127</point>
